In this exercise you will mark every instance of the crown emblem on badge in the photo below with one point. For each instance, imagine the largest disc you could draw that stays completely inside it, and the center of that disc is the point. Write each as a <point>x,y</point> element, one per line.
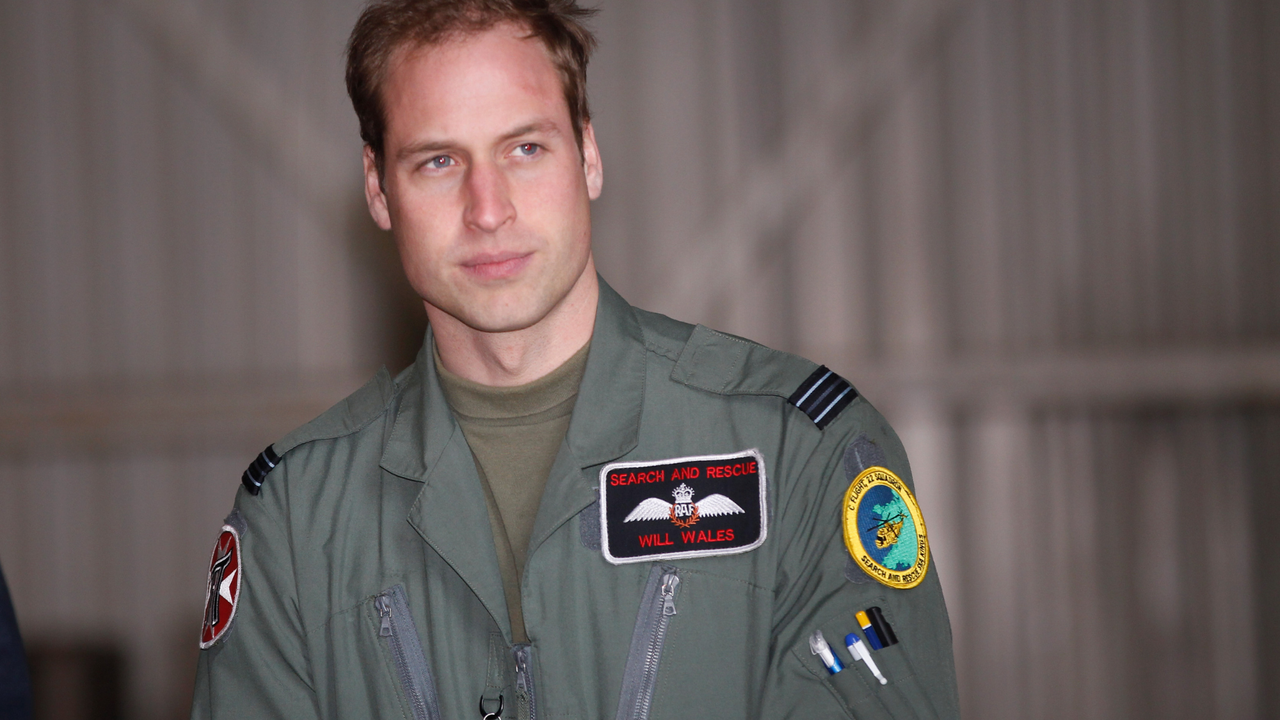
<point>684,494</point>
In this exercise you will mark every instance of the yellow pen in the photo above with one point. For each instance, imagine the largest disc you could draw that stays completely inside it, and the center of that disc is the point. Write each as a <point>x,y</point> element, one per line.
<point>869,631</point>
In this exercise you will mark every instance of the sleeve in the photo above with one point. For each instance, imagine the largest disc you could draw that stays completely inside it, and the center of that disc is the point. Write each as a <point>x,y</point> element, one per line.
<point>257,668</point>
<point>15,683</point>
<point>822,589</point>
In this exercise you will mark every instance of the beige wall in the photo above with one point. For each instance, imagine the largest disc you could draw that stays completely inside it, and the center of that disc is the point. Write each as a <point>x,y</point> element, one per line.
<point>1041,236</point>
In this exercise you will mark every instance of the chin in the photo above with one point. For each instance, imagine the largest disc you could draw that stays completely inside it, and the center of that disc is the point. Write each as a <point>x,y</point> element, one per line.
<point>507,315</point>
<point>518,306</point>
<point>500,323</point>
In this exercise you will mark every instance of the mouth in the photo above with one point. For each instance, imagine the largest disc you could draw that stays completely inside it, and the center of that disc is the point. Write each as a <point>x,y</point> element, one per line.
<point>496,266</point>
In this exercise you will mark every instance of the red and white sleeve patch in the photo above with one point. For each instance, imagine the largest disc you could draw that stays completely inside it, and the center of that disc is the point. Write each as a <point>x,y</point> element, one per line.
<point>223,588</point>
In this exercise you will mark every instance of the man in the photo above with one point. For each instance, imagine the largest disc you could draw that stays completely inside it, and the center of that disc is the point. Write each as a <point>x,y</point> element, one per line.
<point>567,507</point>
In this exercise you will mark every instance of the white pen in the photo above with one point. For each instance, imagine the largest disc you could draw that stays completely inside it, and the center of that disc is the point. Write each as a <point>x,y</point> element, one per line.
<point>860,652</point>
<point>818,646</point>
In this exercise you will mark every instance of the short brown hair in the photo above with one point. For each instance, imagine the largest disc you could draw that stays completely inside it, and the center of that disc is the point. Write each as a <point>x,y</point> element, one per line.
<point>387,25</point>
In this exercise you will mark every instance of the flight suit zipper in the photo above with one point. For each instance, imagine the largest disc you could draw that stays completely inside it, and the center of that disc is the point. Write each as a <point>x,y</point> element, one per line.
<point>396,626</point>
<point>526,699</point>
<point>657,607</point>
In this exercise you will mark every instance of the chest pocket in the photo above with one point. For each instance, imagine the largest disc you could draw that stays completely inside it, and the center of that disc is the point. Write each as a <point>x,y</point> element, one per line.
<point>683,659</point>
<point>657,609</point>
<point>404,655</point>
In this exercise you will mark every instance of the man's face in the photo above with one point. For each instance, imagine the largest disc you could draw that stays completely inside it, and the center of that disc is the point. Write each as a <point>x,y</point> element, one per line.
<point>485,189</point>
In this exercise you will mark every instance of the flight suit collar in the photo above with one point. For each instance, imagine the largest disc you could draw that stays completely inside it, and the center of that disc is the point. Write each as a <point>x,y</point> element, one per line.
<point>450,514</point>
<point>426,445</point>
<point>606,416</point>
<point>424,426</point>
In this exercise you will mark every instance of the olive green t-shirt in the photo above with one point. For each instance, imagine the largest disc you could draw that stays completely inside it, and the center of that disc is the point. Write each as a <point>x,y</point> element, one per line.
<point>514,434</point>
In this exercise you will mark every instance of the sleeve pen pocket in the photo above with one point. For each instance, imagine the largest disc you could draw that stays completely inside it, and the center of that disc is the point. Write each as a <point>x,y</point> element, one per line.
<point>875,678</point>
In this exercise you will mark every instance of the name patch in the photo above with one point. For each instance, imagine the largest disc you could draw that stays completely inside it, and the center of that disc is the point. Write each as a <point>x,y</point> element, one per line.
<point>683,507</point>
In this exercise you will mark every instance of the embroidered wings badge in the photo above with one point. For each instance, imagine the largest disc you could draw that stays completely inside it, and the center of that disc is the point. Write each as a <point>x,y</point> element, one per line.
<point>729,516</point>
<point>684,512</point>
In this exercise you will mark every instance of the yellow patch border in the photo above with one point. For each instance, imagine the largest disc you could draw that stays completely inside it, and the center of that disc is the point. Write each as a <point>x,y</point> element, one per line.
<point>866,480</point>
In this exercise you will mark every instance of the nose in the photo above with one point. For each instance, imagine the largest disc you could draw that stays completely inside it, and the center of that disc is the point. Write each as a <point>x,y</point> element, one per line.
<point>488,205</point>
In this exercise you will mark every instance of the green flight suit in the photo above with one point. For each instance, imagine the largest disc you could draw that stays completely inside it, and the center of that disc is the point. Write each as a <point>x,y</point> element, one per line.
<point>369,584</point>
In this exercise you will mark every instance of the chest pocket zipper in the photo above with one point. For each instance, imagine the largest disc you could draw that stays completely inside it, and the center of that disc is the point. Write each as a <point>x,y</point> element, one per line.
<point>657,607</point>
<point>397,628</point>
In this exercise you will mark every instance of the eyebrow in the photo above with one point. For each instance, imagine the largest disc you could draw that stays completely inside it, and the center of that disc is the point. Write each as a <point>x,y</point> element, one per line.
<point>543,126</point>
<point>431,146</point>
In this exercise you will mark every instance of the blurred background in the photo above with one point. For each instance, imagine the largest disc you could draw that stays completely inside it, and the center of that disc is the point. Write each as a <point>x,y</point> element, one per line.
<point>1041,236</point>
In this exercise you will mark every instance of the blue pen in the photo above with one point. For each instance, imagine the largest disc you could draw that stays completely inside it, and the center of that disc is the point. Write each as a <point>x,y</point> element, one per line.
<point>818,646</point>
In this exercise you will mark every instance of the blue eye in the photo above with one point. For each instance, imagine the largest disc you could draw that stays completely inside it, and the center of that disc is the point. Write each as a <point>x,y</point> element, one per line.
<point>528,149</point>
<point>440,162</point>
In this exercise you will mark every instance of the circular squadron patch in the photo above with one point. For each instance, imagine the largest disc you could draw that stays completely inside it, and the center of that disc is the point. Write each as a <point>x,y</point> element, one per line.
<point>884,530</point>
<point>223,588</point>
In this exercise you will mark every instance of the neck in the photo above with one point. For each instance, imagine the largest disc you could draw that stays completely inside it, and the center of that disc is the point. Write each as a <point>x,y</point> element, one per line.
<point>517,357</point>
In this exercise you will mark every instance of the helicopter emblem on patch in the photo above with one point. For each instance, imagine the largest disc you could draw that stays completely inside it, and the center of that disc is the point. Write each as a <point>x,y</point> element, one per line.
<point>884,529</point>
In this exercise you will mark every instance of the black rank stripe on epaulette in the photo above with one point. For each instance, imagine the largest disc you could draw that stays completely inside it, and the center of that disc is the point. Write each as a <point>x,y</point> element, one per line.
<point>822,396</point>
<point>257,472</point>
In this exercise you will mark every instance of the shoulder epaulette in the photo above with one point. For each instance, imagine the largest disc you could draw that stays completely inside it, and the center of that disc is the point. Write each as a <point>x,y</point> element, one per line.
<point>663,334</point>
<point>350,415</point>
<point>729,365</point>
<point>258,469</point>
<point>822,396</point>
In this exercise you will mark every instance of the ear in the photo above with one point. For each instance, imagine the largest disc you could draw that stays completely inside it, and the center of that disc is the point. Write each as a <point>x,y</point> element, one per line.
<point>592,166</point>
<point>374,195</point>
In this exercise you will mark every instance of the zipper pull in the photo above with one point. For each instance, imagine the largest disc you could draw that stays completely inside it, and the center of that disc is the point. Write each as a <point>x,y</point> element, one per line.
<point>670,582</point>
<point>522,671</point>
<point>383,604</point>
<point>525,709</point>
